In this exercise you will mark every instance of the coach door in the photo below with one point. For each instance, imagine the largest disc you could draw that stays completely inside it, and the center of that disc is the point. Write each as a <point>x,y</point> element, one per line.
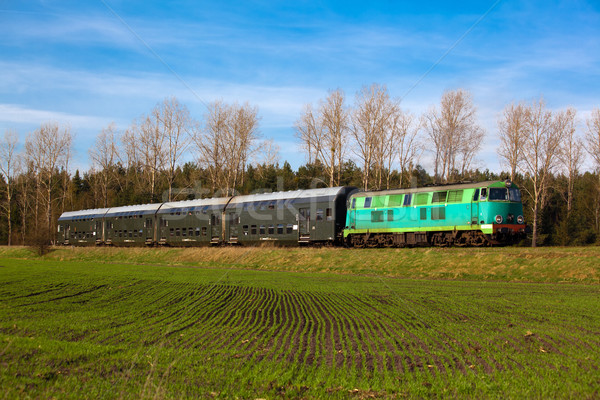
<point>215,227</point>
<point>98,234</point>
<point>67,232</point>
<point>149,228</point>
<point>234,221</point>
<point>304,223</point>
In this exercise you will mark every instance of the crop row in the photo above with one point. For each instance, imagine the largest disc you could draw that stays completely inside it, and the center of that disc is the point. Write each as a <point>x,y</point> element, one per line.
<point>364,332</point>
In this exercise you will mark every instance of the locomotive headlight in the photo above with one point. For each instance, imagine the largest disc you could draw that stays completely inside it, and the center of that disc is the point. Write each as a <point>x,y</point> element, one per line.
<point>520,219</point>
<point>499,219</point>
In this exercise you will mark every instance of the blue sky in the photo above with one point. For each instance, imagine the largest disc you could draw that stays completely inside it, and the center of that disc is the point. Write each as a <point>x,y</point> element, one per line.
<point>89,63</point>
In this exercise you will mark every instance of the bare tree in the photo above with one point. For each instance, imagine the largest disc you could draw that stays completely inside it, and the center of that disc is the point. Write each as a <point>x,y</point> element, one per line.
<point>104,157</point>
<point>176,126</point>
<point>541,149</point>
<point>48,149</point>
<point>8,168</point>
<point>226,143</point>
<point>571,151</point>
<point>386,144</point>
<point>210,141</point>
<point>147,147</point>
<point>368,125</point>
<point>242,134</point>
<point>408,148</point>
<point>334,117</point>
<point>454,134</point>
<point>592,137</point>
<point>310,131</point>
<point>512,133</point>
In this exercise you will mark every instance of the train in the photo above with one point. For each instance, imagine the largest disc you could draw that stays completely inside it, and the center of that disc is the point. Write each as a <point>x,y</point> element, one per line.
<point>464,214</point>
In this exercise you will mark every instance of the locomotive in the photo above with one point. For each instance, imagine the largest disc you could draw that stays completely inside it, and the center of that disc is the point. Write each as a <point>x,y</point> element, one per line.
<point>473,214</point>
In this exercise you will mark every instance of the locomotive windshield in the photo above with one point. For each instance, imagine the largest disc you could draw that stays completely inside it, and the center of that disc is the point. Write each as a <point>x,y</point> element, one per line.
<point>504,194</point>
<point>514,194</point>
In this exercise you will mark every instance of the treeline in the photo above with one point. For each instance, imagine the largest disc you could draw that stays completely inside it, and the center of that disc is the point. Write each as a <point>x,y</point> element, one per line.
<point>372,143</point>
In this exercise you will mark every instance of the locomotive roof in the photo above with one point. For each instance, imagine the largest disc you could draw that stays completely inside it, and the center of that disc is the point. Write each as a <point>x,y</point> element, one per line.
<point>291,194</point>
<point>437,188</point>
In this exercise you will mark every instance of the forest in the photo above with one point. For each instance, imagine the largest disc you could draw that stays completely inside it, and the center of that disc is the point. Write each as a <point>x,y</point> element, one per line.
<point>371,143</point>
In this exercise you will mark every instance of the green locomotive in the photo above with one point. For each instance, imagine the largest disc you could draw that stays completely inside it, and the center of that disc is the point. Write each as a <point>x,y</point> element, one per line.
<point>471,214</point>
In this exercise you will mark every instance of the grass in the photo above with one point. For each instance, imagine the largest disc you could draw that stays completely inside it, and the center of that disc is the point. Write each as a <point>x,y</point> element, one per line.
<point>299,323</point>
<point>511,264</point>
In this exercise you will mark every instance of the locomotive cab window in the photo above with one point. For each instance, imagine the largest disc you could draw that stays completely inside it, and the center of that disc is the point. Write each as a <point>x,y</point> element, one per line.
<point>367,202</point>
<point>483,194</point>
<point>498,194</point>
<point>407,200</point>
<point>514,194</point>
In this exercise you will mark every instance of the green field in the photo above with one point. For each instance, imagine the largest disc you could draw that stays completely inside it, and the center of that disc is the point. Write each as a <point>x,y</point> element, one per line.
<point>300,323</point>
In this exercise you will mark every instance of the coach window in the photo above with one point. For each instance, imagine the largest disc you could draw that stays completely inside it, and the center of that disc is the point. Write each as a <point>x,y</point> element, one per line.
<point>289,228</point>
<point>280,229</point>
<point>183,232</point>
<point>203,231</point>
<point>320,214</point>
<point>271,229</point>
<point>177,232</point>
<point>197,231</point>
<point>253,229</point>
<point>329,214</point>
<point>262,230</point>
<point>367,202</point>
<point>171,231</point>
<point>245,230</point>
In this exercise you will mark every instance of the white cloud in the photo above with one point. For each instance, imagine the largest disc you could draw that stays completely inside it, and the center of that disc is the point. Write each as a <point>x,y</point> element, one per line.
<point>16,114</point>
